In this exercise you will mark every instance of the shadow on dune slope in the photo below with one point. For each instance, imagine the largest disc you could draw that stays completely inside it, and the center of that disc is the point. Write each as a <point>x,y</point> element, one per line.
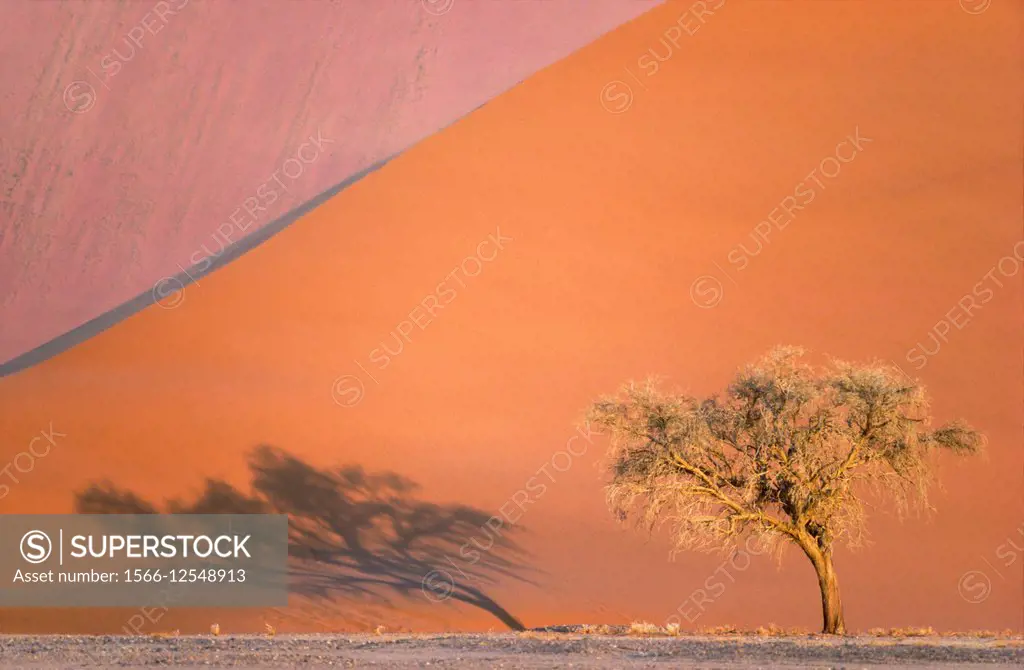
<point>354,535</point>
<point>179,281</point>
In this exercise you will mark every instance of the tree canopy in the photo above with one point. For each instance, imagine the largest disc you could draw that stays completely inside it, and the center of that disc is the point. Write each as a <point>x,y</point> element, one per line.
<point>788,452</point>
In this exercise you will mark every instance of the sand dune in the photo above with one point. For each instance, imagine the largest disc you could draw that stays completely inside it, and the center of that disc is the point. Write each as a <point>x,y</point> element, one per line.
<point>134,133</point>
<point>450,315</point>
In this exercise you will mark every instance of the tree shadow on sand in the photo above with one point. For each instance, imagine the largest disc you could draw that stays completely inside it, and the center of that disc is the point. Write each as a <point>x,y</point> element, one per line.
<point>354,534</point>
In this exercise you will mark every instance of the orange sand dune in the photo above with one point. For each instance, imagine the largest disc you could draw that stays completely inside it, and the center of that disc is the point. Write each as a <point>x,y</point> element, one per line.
<point>593,218</point>
<point>132,133</point>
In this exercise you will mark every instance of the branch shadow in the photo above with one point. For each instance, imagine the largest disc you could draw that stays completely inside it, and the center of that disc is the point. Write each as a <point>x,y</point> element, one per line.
<point>355,534</point>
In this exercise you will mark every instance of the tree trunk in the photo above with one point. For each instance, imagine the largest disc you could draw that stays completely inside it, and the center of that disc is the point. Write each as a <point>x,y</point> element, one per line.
<point>831,603</point>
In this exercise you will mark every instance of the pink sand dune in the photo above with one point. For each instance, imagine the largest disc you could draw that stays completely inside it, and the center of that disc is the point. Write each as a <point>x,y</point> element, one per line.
<point>132,132</point>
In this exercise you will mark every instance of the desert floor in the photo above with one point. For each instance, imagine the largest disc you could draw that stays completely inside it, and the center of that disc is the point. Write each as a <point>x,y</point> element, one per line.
<point>530,650</point>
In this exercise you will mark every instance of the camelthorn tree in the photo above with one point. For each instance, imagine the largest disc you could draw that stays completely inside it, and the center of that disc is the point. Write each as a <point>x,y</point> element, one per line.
<point>786,454</point>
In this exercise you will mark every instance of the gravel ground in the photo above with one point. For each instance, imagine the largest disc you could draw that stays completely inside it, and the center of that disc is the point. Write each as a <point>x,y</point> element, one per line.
<point>533,650</point>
